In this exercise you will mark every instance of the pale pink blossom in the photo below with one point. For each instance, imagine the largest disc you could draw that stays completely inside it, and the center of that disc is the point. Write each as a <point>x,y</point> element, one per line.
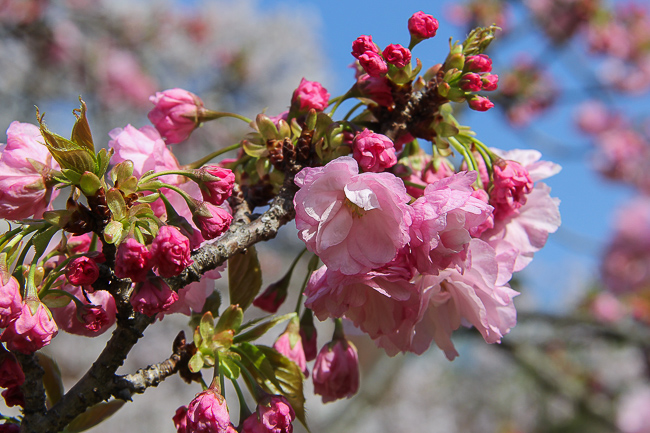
<point>122,79</point>
<point>633,414</point>
<point>25,164</point>
<point>170,252</point>
<point>274,414</point>
<point>191,298</point>
<point>10,300</point>
<point>152,297</point>
<point>607,308</point>
<point>176,114</point>
<point>310,94</point>
<point>97,316</point>
<point>374,152</point>
<point>353,222</point>
<point>336,371</point>
<point>397,55</point>
<point>30,331</point>
<point>422,26</point>
<point>442,221</point>
<point>132,260</point>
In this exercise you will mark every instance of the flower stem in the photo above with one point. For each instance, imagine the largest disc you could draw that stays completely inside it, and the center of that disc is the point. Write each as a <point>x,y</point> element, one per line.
<point>205,159</point>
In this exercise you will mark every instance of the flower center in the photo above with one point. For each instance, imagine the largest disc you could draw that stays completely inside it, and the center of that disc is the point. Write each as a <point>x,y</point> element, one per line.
<point>356,211</point>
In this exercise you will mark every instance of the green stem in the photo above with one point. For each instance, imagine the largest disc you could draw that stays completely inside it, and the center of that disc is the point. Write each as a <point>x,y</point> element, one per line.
<point>415,185</point>
<point>189,200</point>
<point>145,179</point>
<point>80,305</point>
<point>352,110</point>
<point>310,268</point>
<point>213,115</point>
<point>205,159</point>
<point>244,411</point>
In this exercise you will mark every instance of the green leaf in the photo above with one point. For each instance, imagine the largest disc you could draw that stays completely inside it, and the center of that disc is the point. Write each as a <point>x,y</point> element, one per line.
<point>266,127</point>
<point>93,416</point>
<point>51,378</point>
<point>68,154</point>
<point>116,204</point>
<point>478,40</point>
<point>195,363</point>
<point>42,239</point>
<point>72,175</point>
<point>90,183</point>
<point>81,134</point>
<point>231,319</point>
<point>256,363</point>
<point>254,150</point>
<point>229,368</point>
<point>444,129</point>
<point>244,277</point>
<point>260,330</point>
<point>206,327</point>
<point>103,159</point>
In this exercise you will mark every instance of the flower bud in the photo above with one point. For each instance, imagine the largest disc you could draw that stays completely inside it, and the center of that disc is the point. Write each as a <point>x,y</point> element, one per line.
<point>362,44</point>
<point>180,419</point>
<point>422,26</point>
<point>219,186</point>
<point>208,413</point>
<point>274,295</point>
<point>480,103</point>
<point>490,82</point>
<point>82,271</point>
<point>308,335</point>
<point>176,114</point>
<point>308,95</point>
<point>289,344</point>
<point>373,64</point>
<point>471,82</point>
<point>478,63</point>
<point>170,252</point>
<point>374,152</point>
<point>31,330</point>
<point>211,220</point>
<point>397,55</point>
<point>512,184</point>
<point>10,301</point>
<point>336,371</point>
<point>133,260</point>
<point>274,414</point>
<point>152,297</point>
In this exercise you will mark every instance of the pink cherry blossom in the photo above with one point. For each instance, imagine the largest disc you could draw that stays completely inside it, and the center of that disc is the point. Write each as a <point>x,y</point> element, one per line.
<point>212,221</point>
<point>180,419</point>
<point>363,44</point>
<point>133,260</point>
<point>310,94</point>
<point>490,82</point>
<point>353,222</point>
<point>471,82</point>
<point>272,298</point>
<point>95,318</point>
<point>633,415</point>
<point>274,414</point>
<point>152,297</point>
<point>208,413</point>
<point>191,298</point>
<point>10,300</point>
<point>294,352</point>
<point>480,103</point>
<point>217,191</point>
<point>478,63</point>
<point>374,152</point>
<point>397,55</point>
<point>422,26</point>
<point>82,271</point>
<point>176,114</point>
<point>30,331</point>
<point>376,89</point>
<point>336,371</point>
<point>122,79</point>
<point>25,164</point>
<point>511,185</point>
<point>373,63</point>
<point>170,252</point>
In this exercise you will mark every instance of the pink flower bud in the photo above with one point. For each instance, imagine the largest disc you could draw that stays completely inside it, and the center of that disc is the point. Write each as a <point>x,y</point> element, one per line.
<point>170,252</point>
<point>274,414</point>
<point>374,152</point>
<point>14,396</point>
<point>176,114</point>
<point>153,297</point>
<point>490,82</point>
<point>133,260</point>
<point>422,26</point>
<point>208,413</point>
<point>295,352</point>
<point>376,88</point>
<point>271,299</point>
<point>397,55</point>
<point>30,331</point>
<point>215,224</point>
<point>93,318</point>
<point>308,95</point>
<point>363,44</point>
<point>82,271</point>
<point>480,103</point>
<point>471,82</point>
<point>10,372</point>
<point>309,345</point>
<point>478,63</point>
<point>512,184</point>
<point>180,419</point>
<point>373,63</point>
<point>10,301</point>
<point>336,371</point>
<point>217,191</point>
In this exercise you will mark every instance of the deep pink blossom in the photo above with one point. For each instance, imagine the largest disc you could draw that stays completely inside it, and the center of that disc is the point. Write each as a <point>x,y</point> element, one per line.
<point>217,191</point>
<point>272,298</point>
<point>375,88</point>
<point>274,414</point>
<point>336,371</point>
<point>353,222</point>
<point>180,419</point>
<point>374,152</point>
<point>422,26</point>
<point>170,252</point>
<point>82,271</point>
<point>480,103</point>
<point>511,185</point>
<point>478,63</point>
<point>11,374</point>
<point>10,300</point>
<point>373,63</point>
<point>25,164</point>
<point>30,331</point>
<point>212,221</point>
<point>96,317</point>
<point>152,297</point>
<point>176,114</point>
<point>310,94</point>
<point>363,44</point>
<point>133,260</point>
<point>471,82</point>
<point>397,55</point>
<point>309,343</point>
<point>14,396</point>
<point>490,82</point>
<point>208,413</point>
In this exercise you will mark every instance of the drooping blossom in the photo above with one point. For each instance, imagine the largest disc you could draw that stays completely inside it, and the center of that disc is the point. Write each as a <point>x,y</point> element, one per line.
<point>217,191</point>
<point>422,26</point>
<point>397,55</point>
<point>82,271</point>
<point>133,260</point>
<point>374,152</point>
<point>153,296</point>
<point>208,413</point>
<point>353,222</point>
<point>363,44</point>
<point>176,114</point>
<point>310,94</point>
<point>180,419</point>
<point>272,297</point>
<point>289,344</point>
<point>96,316</point>
<point>373,63</point>
<point>274,414</point>
<point>11,374</point>
<point>170,252</point>
<point>25,164</point>
<point>336,371</point>
<point>10,300</point>
<point>31,330</point>
<point>212,221</point>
